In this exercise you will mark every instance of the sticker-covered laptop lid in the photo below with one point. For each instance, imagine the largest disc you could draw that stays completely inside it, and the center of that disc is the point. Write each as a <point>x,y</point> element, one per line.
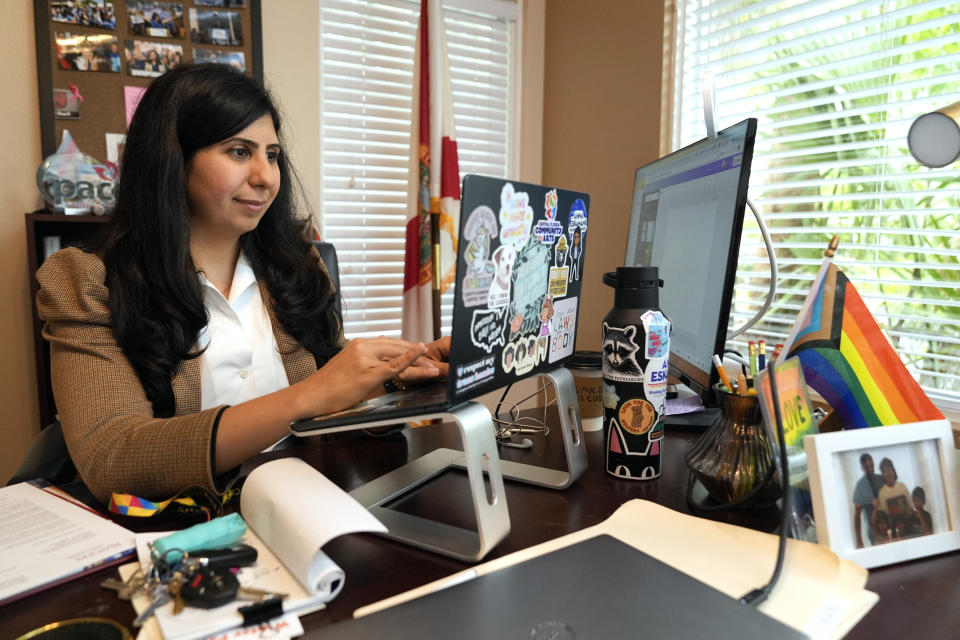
<point>520,265</point>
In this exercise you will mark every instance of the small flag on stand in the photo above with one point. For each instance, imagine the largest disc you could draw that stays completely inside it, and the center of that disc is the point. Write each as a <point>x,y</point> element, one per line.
<point>433,203</point>
<point>849,361</point>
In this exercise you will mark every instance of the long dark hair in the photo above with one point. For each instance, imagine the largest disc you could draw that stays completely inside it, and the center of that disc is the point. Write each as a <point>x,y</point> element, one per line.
<point>156,300</point>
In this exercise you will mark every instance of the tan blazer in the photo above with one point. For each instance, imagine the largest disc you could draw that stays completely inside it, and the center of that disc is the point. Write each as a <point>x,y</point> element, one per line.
<point>115,441</point>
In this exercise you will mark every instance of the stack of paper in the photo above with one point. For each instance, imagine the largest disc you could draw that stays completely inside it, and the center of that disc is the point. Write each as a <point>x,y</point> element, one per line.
<point>47,539</point>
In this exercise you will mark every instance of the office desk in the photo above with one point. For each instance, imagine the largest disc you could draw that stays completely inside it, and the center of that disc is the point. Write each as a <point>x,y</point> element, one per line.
<point>916,598</point>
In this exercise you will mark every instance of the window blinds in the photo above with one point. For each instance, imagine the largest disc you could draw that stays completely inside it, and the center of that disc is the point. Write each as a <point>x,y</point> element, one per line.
<point>367,49</point>
<point>835,86</point>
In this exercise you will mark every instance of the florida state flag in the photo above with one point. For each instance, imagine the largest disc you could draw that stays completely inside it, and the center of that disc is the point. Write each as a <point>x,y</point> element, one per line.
<point>433,202</point>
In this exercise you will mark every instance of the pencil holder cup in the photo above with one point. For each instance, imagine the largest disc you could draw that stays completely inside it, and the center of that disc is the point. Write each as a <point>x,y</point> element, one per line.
<point>733,459</point>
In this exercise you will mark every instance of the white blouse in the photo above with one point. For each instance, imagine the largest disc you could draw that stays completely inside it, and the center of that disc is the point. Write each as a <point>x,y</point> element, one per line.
<point>241,360</point>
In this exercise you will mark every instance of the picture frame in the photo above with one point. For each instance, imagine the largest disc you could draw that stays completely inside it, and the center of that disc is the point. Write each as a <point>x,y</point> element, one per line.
<point>894,526</point>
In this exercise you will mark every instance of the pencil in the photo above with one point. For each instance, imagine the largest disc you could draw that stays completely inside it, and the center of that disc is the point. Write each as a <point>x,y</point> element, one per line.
<point>742,385</point>
<point>723,373</point>
<point>776,351</point>
<point>752,350</point>
<point>761,355</point>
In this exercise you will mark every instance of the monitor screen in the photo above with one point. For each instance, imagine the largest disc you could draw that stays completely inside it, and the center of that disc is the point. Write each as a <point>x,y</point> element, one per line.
<point>686,219</point>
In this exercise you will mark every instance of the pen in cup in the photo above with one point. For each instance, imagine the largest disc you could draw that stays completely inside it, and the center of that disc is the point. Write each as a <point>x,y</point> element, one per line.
<point>724,379</point>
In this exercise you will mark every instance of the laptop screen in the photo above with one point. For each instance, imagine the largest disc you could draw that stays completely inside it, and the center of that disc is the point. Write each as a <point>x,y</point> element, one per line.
<point>520,264</point>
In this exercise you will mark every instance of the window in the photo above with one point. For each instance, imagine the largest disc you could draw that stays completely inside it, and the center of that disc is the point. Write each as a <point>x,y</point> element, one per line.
<point>367,60</point>
<point>835,85</point>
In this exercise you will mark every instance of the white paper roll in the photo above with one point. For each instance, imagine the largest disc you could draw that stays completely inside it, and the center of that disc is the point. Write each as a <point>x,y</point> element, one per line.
<point>325,576</point>
<point>295,510</point>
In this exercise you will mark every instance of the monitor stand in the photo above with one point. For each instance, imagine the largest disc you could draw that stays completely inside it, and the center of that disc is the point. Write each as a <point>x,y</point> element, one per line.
<point>694,421</point>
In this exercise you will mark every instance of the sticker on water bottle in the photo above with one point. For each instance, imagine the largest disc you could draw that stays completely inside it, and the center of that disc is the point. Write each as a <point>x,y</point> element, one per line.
<point>637,416</point>
<point>620,354</point>
<point>655,383</point>
<point>658,334</point>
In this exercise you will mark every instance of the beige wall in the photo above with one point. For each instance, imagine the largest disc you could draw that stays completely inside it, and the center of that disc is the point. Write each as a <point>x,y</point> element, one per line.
<point>601,121</point>
<point>20,132</point>
<point>291,56</point>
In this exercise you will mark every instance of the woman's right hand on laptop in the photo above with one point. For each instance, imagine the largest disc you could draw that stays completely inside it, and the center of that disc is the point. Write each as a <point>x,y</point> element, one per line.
<point>359,370</point>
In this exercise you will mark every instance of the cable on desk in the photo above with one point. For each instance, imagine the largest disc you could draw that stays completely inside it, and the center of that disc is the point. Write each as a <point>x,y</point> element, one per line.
<point>516,424</point>
<point>757,596</point>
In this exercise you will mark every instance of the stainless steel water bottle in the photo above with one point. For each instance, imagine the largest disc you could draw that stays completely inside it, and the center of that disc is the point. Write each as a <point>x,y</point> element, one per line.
<point>635,351</point>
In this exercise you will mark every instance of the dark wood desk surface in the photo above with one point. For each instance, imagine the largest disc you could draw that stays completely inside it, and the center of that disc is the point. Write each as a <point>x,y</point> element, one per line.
<point>918,598</point>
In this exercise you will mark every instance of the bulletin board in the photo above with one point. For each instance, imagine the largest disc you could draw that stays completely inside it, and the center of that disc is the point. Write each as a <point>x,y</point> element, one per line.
<point>94,58</point>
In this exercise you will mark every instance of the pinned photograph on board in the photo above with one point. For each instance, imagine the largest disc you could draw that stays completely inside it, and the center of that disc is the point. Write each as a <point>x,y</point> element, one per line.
<point>88,52</point>
<point>224,28</point>
<point>147,59</point>
<point>89,13</point>
<point>234,59</point>
<point>66,105</point>
<point>221,3</point>
<point>156,19</point>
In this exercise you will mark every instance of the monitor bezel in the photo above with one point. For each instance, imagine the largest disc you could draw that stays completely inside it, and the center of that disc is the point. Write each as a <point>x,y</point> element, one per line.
<point>686,372</point>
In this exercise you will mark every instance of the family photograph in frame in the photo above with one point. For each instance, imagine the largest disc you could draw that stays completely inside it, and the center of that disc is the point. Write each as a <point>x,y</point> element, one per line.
<point>883,495</point>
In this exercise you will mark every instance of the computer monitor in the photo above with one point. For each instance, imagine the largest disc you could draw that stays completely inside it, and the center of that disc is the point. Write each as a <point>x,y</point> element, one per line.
<point>686,219</point>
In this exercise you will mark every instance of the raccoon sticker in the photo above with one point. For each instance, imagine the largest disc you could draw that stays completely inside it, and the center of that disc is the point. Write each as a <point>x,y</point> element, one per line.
<point>620,349</point>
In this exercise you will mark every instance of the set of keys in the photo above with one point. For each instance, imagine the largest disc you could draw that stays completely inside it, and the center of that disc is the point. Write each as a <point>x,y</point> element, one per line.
<point>204,579</point>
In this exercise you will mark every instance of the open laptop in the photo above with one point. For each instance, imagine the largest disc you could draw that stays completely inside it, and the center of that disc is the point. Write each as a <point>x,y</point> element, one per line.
<point>597,588</point>
<point>520,258</point>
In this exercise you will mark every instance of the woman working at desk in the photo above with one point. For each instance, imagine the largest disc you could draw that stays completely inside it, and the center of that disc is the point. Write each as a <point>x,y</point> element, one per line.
<point>203,322</point>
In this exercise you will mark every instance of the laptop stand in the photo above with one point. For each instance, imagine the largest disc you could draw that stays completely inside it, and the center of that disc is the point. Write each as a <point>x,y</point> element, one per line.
<point>571,431</point>
<point>479,458</point>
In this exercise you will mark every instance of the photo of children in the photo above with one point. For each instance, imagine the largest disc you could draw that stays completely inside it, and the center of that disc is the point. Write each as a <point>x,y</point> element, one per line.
<point>88,52</point>
<point>220,3</point>
<point>151,59</point>
<point>889,488</point>
<point>156,19</point>
<point>233,58</point>
<point>222,28</point>
<point>89,13</point>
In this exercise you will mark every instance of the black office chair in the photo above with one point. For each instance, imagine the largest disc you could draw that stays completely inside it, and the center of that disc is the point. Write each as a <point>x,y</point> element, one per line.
<point>328,254</point>
<point>47,459</point>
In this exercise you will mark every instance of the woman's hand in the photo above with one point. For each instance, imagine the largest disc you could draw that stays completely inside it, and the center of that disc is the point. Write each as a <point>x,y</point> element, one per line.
<point>437,355</point>
<point>360,369</point>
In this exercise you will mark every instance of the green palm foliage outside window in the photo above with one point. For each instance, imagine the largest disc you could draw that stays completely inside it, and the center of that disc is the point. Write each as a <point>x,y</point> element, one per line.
<point>835,86</point>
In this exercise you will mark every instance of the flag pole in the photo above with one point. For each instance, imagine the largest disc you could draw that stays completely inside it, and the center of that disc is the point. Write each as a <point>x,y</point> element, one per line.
<point>828,254</point>
<point>437,270</point>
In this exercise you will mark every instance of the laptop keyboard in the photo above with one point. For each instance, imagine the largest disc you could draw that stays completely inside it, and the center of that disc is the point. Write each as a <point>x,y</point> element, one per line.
<point>423,395</point>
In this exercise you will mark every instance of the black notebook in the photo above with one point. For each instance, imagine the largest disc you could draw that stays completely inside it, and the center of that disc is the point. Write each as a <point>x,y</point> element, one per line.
<point>597,588</point>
